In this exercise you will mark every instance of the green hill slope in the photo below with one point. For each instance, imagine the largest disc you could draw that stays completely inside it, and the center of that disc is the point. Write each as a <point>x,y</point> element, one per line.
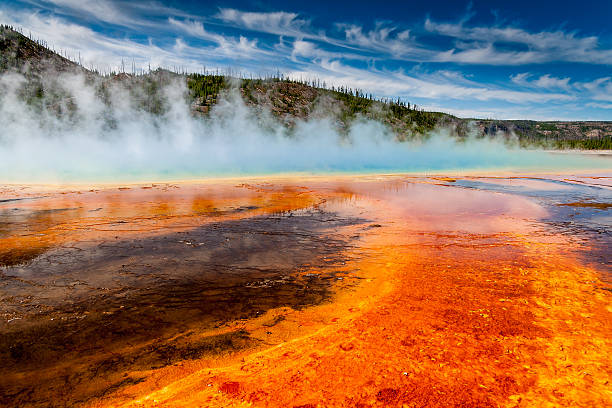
<point>287,100</point>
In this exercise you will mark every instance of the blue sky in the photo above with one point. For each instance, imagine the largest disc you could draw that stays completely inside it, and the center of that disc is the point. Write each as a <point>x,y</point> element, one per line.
<point>543,60</point>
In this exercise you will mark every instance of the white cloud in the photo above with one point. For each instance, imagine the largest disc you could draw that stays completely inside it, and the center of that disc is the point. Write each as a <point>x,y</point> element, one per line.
<point>123,13</point>
<point>544,82</point>
<point>304,49</point>
<point>191,27</point>
<point>521,79</point>
<point>309,50</point>
<point>477,45</point>
<point>487,55</point>
<point>397,83</point>
<point>600,105</point>
<point>226,45</point>
<point>599,89</point>
<point>102,10</point>
<point>279,22</point>
<point>107,11</point>
<point>387,39</point>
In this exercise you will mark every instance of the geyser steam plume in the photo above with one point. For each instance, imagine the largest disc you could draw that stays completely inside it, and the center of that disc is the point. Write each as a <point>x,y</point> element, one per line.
<point>84,132</point>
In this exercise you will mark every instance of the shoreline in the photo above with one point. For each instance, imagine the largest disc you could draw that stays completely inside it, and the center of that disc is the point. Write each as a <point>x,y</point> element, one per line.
<point>292,177</point>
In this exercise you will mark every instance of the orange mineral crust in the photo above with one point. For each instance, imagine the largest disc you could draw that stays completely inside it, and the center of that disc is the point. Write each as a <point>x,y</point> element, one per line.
<point>430,294</point>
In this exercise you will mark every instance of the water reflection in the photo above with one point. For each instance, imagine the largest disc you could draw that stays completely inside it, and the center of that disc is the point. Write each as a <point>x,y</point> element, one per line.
<point>116,282</point>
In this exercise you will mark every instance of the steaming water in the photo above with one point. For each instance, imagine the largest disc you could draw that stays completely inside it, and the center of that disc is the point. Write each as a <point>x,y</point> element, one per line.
<point>118,141</point>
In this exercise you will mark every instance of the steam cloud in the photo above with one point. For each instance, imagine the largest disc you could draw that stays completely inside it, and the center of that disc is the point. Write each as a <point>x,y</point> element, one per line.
<point>116,140</point>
